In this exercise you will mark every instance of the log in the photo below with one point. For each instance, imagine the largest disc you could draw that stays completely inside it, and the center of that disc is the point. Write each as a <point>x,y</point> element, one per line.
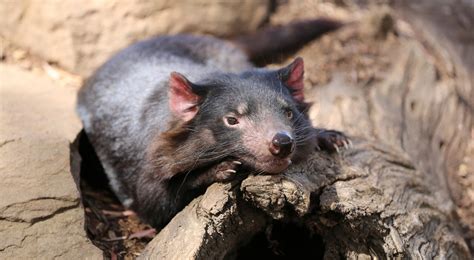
<point>369,202</point>
<point>397,94</point>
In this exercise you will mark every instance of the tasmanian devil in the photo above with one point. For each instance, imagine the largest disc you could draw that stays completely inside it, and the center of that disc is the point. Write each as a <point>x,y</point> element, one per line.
<point>171,115</point>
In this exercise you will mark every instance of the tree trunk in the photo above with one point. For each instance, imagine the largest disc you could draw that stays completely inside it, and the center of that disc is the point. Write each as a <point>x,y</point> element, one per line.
<point>406,100</point>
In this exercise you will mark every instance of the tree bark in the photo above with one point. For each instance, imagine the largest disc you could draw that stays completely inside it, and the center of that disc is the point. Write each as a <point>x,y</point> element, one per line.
<point>406,101</point>
<point>371,201</point>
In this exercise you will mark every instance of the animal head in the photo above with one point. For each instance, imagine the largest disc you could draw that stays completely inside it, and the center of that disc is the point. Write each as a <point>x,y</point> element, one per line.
<point>256,117</point>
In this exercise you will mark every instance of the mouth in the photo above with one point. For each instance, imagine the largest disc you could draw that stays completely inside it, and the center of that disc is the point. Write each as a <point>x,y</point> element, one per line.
<point>269,166</point>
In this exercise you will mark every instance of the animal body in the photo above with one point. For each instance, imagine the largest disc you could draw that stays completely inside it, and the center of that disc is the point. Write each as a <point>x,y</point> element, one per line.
<point>171,115</point>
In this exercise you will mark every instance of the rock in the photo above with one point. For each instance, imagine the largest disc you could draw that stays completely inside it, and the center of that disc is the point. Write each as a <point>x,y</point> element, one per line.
<point>40,213</point>
<point>288,11</point>
<point>80,37</point>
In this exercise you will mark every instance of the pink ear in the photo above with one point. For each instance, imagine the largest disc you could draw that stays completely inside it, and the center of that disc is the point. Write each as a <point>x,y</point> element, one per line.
<point>293,77</point>
<point>182,100</point>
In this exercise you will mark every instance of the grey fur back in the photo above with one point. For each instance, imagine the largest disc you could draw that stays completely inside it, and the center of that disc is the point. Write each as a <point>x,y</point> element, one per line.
<point>125,102</point>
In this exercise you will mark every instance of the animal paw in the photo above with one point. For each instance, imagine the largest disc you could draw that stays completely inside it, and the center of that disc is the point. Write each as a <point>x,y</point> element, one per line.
<point>226,170</point>
<point>332,141</point>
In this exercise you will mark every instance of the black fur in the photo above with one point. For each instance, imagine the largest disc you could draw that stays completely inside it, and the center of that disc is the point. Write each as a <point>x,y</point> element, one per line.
<point>157,163</point>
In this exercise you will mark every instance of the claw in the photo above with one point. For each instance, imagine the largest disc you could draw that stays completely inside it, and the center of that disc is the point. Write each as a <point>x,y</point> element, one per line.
<point>236,162</point>
<point>230,171</point>
<point>346,144</point>
<point>337,148</point>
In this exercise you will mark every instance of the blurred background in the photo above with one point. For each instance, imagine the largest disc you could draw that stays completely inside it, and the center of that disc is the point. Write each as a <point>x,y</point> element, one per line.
<point>79,37</point>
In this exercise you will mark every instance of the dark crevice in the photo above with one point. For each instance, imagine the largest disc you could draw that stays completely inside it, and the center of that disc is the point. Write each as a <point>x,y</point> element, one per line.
<point>6,142</point>
<point>42,218</point>
<point>105,223</point>
<point>283,241</point>
<point>59,211</point>
<point>91,170</point>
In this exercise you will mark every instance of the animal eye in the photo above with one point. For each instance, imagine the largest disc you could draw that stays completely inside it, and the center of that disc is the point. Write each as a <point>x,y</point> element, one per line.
<point>289,114</point>
<point>230,120</point>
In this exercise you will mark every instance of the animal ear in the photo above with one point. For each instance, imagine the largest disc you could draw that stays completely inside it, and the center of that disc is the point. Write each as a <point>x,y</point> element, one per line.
<point>293,77</point>
<point>183,100</point>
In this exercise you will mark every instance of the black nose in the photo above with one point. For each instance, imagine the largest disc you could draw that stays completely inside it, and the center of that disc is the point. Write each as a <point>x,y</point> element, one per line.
<point>282,145</point>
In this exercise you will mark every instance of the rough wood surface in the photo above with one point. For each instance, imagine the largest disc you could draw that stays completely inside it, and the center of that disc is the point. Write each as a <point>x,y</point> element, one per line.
<point>406,103</point>
<point>371,202</point>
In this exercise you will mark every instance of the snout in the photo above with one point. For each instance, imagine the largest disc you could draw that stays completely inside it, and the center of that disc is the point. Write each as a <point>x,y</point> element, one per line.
<point>282,145</point>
